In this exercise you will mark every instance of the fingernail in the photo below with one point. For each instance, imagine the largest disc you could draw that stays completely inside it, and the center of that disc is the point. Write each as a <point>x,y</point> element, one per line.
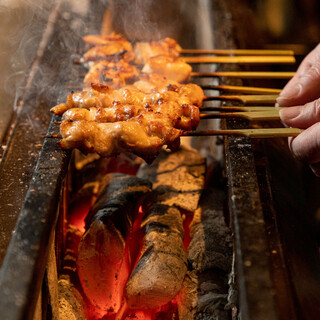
<point>289,93</point>
<point>289,113</point>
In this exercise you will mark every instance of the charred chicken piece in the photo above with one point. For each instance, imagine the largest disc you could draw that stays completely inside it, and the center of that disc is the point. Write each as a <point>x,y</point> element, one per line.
<point>114,74</point>
<point>105,97</point>
<point>100,96</point>
<point>184,117</point>
<point>98,40</point>
<point>151,82</point>
<point>173,68</point>
<point>144,136</point>
<point>115,50</point>
<point>145,50</point>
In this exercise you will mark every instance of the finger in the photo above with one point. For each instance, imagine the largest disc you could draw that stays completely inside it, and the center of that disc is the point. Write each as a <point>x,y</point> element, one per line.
<point>301,116</point>
<point>306,146</point>
<point>304,86</point>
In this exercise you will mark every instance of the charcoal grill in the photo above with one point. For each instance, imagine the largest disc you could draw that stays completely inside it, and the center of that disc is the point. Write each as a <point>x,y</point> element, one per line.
<point>276,250</point>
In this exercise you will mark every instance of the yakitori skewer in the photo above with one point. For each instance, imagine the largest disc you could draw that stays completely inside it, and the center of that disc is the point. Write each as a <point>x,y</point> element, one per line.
<point>241,59</point>
<point>252,133</point>
<point>271,114</point>
<point>246,74</point>
<point>247,52</point>
<point>246,99</point>
<point>241,89</point>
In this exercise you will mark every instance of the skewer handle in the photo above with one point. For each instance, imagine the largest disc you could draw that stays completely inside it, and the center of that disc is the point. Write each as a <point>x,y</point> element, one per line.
<point>241,59</point>
<point>272,114</point>
<point>246,74</point>
<point>251,133</point>
<point>246,99</point>
<point>247,52</point>
<point>241,89</point>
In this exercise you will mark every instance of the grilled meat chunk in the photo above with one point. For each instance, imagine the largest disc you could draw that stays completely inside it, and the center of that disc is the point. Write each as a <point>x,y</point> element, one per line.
<point>101,266</point>
<point>115,50</point>
<point>98,40</point>
<point>185,117</point>
<point>145,50</point>
<point>114,74</point>
<point>144,136</point>
<point>105,96</point>
<point>173,68</point>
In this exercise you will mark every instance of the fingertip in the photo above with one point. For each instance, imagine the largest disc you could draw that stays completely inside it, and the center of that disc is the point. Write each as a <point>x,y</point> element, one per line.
<point>289,114</point>
<point>306,146</point>
<point>289,95</point>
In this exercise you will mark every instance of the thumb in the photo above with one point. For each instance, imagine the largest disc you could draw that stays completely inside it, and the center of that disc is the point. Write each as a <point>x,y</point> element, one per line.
<point>305,85</point>
<point>306,146</point>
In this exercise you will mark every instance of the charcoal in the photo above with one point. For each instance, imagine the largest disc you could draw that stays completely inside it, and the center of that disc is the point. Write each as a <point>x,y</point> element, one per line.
<point>158,276</point>
<point>101,263</point>
<point>210,254</point>
<point>177,177</point>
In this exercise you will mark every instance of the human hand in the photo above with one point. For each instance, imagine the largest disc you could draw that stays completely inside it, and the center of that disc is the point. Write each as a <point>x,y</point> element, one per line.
<point>302,95</point>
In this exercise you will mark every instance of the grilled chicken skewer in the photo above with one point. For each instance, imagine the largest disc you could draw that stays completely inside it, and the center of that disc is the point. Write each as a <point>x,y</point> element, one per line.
<point>145,116</point>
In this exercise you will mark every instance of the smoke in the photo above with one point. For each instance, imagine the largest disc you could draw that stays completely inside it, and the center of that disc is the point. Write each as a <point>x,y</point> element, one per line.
<point>23,24</point>
<point>145,20</point>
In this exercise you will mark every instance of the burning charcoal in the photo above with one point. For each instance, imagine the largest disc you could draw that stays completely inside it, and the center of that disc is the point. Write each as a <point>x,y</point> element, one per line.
<point>71,302</point>
<point>210,255</point>
<point>178,177</point>
<point>101,262</point>
<point>158,275</point>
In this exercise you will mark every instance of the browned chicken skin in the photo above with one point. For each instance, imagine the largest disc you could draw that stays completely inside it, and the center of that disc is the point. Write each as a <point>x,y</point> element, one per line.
<point>111,51</point>
<point>145,50</point>
<point>139,118</point>
<point>104,96</point>
<point>114,74</point>
<point>98,40</point>
<point>143,135</point>
<point>173,68</point>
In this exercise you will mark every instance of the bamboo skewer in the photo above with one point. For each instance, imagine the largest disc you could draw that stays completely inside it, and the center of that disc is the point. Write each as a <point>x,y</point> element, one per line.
<point>246,99</point>
<point>239,108</point>
<point>255,52</point>
<point>241,59</point>
<point>251,133</point>
<point>249,115</point>
<point>246,74</point>
<point>241,89</point>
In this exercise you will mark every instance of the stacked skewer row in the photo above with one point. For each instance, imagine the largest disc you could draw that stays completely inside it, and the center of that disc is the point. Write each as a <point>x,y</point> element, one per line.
<point>139,98</point>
